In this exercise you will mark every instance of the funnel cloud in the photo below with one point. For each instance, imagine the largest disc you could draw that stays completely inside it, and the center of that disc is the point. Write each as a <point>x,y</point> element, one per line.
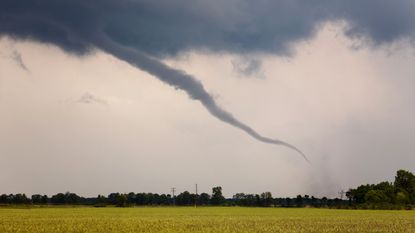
<point>181,80</point>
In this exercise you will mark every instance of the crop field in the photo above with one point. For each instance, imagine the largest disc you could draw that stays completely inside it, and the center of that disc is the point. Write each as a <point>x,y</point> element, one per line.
<point>209,219</point>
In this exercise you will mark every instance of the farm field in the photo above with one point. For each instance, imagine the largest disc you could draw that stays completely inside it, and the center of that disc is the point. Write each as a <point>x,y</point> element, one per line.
<point>208,219</point>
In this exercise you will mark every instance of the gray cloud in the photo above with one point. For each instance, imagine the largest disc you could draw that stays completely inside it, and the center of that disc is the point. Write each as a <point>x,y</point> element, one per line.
<point>88,98</point>
<point>247,67</point>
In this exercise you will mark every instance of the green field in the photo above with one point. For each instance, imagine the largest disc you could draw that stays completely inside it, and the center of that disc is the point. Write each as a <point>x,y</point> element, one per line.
<point>207,219</point>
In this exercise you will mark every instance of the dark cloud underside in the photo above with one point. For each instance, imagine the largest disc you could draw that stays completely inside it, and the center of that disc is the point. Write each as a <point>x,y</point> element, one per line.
<point>168,27</point>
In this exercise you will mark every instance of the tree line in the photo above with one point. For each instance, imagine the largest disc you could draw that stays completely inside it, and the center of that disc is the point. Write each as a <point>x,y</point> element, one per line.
<point>385,195</point>
<point>183,199</point>
<point>119,199</point>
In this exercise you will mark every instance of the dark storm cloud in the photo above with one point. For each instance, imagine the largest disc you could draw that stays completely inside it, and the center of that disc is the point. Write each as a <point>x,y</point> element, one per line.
<point>161,27</point>
<point>140,31</point>
<point>382,21</point>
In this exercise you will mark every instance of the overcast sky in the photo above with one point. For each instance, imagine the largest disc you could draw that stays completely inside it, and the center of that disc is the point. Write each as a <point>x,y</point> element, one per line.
<point>78,114</point>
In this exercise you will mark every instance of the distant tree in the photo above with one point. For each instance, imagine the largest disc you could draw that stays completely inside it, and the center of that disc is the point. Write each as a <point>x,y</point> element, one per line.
<point>217,197</point>
<point>37,199</point>
<point>242,199</point>
<point>376,197</point>
<point>58,199</point>
<point>131,198</point>
<point>388,189</point>
<point>122,200</point>
<point>141,199</point>
<point>358,194</point>
<point>72,198</point>
<point>194,199</point>
<point>251,200</point>
<point>164,199</point>
<point>315,202</point>
<point>44,200</point>
<point>257,200</point>
<point>156,199</point>
<point>113,198</point>
<point>19,198</point>
<point>324,201</point>
<point>239,199</point>
<point>266,199</point>
<point>101,200</point>
<point>299,201</point>
<point>405,182</point>
<point>288,202</point>
<point>402,198</point>
<point>306,200</point>
<point>184,198</point>
<point>204,199</point>
<point>4,199</point>
<point>151,199</point>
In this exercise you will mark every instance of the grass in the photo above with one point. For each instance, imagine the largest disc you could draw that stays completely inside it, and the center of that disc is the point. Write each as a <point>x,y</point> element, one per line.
<point>203,220</point>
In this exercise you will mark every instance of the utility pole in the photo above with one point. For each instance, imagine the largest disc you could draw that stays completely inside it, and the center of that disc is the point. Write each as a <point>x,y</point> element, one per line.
<point>174,199</point>
<point>196,197</point>
<point>341,193</point>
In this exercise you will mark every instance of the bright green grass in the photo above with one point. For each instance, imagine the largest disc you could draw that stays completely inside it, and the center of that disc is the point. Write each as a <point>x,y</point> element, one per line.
<point>215,220</point>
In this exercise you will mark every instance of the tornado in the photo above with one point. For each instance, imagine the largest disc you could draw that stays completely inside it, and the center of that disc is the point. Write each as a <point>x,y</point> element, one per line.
<point>142,32</point>
<point>185,82</point>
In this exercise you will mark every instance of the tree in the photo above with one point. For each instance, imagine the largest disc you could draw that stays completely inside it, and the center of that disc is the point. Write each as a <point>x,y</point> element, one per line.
<point>37,199</point>
<point>45,199</point>
<point>324,201</point>
<point>150,199</point>
<point>164,199</point>
<point>217,197</point>
<point>402,198</point>
<point>101,200</point>
<point>141,199</point>
<point>72,198</point>
<point>204,199</point>
<point>131,198</point>
<point>358,194</point>
<point>405,182</point>
<point>194,199</point>
<point>239,199</point>
<point>112,198</point>
<point>4,199</point>
<point>376,197</point>
<point>306,200</point>
<point>19,198</point>
<point>184,198</point>
<point>299,201</point>
<point>315,202</point>
<point>156,199</point>
<point>266,199</point>
<point>122,200</point>
<point>387,189</point>
<point>58,199</point>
